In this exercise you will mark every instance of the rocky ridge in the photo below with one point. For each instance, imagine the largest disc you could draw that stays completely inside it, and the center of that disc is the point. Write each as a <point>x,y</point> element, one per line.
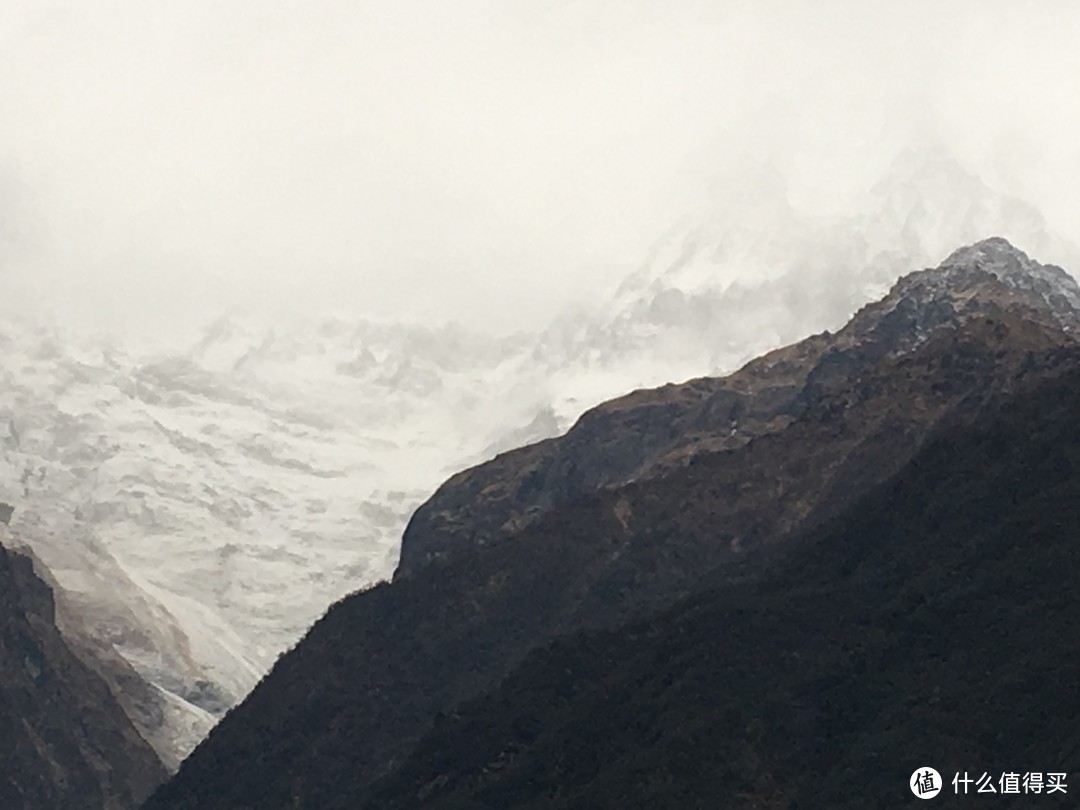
<point>646,432</point>
<point>64,740</point>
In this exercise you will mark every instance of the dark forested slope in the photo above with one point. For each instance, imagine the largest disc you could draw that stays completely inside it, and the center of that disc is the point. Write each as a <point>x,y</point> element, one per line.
<point>937,623</point>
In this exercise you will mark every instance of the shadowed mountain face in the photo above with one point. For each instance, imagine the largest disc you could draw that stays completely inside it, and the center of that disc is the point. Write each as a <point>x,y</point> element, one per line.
<point>934,623</point>
<point>64,741</point>
<point>648,500</point>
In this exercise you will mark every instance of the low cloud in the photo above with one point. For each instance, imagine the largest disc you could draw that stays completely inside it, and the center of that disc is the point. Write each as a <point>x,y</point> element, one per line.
<point>477,160</point>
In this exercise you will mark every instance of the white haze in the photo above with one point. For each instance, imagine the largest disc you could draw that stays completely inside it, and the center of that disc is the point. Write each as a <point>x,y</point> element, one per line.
<point>469,160</point>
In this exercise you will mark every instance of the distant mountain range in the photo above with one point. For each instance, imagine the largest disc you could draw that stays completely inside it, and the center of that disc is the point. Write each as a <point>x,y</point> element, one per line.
<point>199,506</point>
<point>754,496</point>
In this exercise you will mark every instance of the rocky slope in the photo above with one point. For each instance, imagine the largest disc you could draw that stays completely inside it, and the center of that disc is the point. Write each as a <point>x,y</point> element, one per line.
<point>935,623</point>
<point>64,740</point>
<point>646,501</point>
<point>644,433</point>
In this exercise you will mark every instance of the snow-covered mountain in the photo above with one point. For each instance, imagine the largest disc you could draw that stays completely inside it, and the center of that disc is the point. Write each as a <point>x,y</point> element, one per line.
<point>202,508</point>
<point>200,505</point>
<point>759,273</point>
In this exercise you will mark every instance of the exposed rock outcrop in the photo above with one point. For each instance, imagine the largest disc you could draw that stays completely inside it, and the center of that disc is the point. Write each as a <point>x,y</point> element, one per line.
<point>647,432</point>
<point>64,740</point>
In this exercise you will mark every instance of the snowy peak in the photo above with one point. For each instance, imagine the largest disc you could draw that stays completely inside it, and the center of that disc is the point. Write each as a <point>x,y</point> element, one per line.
<point>989,274</point>
<point>995,253</point>
<point>757,272</point>
<point>927,202</point>
<point>1017,270</point>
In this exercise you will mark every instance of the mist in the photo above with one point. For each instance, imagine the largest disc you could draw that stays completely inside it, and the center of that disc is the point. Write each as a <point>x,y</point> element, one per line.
<point>475,161</point>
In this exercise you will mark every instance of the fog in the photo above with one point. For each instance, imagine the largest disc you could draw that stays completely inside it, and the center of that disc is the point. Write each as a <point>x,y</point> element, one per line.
<point>473,160</point>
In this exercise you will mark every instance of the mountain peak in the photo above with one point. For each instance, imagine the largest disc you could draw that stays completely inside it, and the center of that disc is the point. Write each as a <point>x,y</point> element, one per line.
<point>989,274</point>
<point>1014,267</point>
<point>995,254</point>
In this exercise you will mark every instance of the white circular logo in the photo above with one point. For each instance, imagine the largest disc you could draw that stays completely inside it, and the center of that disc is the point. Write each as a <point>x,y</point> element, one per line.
<point>925,783</point>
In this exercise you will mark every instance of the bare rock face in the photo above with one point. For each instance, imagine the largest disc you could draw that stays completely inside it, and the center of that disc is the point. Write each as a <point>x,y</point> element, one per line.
<point>646,432</point>
<point>170,725</point>
<point>64,740</point>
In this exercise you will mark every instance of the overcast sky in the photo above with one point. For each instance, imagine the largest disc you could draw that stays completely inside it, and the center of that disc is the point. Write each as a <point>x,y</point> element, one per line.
<point>478,160</point>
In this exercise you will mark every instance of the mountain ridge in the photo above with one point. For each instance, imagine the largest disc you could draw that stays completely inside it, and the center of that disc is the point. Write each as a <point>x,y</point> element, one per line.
<point>669,424</point>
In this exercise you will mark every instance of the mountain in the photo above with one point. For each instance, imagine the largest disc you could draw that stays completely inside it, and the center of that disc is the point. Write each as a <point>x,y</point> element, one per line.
<point>647,432</point>
<point>64,740</point>
<point>755,272</point>
<point>198,503</point>
<point>647,500</point>
<point>934,623</point>
<point>196,510</point>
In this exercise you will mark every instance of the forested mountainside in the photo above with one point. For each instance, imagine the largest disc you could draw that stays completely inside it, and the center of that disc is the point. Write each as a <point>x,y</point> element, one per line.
<point>503,560</point>
<point>64,740</point>
<point>935,623</point>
